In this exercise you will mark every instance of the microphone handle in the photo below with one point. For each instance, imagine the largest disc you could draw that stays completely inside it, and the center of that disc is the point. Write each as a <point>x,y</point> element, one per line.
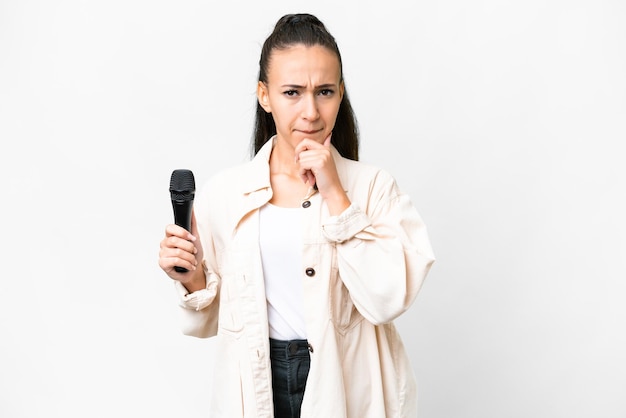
<point>182,217</point>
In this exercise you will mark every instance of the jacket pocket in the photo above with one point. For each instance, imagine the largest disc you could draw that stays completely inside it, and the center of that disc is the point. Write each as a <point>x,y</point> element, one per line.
<point>230,311</point>
<point>344,314</point>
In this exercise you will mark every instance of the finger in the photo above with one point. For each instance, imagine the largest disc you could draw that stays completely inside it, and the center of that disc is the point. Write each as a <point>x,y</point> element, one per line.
<point>168,264</point>
<point>176,249</point>
<point>305,145</point>
<point>178,231</point>
<point>307,176</point>
<point>172,244</point>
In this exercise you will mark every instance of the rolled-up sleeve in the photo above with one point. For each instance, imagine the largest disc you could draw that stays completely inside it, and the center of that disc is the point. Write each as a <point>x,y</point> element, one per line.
<point>383,253</point>
<point>346,225</point>
<point>199,299</point>
<point>199,309</point>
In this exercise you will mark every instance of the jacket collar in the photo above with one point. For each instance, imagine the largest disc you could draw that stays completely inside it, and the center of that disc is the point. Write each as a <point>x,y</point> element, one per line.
<point>254,179</point>
<point>256,175</point>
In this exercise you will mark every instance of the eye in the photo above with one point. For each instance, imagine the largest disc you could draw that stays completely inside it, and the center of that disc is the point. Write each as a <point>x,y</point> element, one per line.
<point>326,92</point>
<point>290,93</point>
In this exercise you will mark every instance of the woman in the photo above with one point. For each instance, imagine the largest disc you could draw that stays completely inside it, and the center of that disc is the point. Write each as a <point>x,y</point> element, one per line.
<point>305,256</point>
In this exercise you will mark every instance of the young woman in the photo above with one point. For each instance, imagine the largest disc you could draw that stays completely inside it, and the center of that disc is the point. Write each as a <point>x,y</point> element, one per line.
<point>300,259</point>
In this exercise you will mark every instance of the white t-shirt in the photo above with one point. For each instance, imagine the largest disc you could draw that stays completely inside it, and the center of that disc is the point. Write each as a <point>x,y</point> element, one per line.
<point>280,240</point>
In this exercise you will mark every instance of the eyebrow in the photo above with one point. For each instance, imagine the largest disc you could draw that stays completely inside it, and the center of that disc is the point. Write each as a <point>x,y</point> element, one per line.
<point>296,86</point>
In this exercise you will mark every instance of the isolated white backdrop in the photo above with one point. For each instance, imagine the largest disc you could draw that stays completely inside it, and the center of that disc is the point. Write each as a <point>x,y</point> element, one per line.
<point>503,120</point>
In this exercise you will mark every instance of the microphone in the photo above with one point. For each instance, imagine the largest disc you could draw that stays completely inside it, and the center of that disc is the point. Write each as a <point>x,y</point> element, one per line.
<point>182,192</point>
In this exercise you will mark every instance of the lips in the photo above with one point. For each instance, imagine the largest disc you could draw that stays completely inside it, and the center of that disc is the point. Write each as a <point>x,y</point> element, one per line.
<point>307,132</point>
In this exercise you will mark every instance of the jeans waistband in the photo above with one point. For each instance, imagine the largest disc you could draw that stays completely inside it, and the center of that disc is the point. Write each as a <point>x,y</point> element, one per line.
<point>288,349</point>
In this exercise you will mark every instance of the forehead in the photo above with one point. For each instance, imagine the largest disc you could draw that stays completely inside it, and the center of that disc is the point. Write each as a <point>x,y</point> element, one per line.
<point>301,60</point>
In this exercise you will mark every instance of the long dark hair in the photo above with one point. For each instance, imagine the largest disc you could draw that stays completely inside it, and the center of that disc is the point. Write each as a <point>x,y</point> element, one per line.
<point>308,30</point>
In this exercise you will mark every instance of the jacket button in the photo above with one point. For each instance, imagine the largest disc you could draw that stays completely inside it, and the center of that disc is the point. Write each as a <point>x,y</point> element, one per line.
<point>306,204</point>
<point>310,272</point>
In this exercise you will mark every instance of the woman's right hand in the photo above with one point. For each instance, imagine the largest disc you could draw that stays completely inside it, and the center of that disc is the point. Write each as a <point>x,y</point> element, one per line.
<point>180,248</point>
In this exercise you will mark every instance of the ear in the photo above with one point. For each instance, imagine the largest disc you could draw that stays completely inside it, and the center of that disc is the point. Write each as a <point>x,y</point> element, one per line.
<point>342,89</point>
<point>263,96</point>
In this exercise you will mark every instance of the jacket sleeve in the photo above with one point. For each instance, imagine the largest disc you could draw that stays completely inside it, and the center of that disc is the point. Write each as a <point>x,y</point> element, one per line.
<point>200,309</point>
<point>383,250</point>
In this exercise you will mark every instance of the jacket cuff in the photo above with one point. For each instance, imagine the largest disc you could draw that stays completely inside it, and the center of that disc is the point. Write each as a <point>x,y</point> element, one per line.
<point>346,225</point>
<point>199,299</point>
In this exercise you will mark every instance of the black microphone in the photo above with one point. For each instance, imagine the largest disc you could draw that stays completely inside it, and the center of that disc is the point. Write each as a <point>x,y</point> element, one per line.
<point>182,192</point>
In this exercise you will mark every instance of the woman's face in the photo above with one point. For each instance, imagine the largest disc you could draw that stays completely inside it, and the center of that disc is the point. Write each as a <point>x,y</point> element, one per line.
<point>303,92</point>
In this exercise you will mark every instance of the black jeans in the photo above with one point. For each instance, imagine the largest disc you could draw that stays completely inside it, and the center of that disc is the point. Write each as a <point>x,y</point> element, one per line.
<point>290,369</point>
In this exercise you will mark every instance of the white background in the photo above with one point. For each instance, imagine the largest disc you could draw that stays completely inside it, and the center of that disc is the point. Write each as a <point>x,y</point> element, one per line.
<point>504,120</point>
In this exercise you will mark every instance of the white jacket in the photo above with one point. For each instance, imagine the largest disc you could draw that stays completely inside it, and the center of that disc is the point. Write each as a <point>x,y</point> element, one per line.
<point>360,271</point>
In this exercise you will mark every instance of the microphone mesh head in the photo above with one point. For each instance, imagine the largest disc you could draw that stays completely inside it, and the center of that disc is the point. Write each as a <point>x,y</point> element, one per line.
<point>182,185</point>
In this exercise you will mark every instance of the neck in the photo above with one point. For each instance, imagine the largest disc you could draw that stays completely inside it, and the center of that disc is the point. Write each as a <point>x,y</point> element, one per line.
<point>283,159</point>
<point>288,188</point>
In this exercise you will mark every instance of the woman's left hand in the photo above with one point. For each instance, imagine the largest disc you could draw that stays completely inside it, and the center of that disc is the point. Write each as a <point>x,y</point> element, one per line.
<point>317,167</point>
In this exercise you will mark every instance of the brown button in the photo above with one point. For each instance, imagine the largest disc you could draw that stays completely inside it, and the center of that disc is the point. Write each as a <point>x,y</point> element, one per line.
<point>310,347</point>
<point>310,272</point>
<point>306,204</point>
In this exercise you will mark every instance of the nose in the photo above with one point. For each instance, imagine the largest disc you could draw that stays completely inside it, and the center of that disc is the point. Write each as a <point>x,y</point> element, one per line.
<point>309,107</point>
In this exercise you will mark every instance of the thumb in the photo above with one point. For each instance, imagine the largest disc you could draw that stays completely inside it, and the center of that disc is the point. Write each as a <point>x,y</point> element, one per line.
<point>327,140</point>
<point>194,227</point>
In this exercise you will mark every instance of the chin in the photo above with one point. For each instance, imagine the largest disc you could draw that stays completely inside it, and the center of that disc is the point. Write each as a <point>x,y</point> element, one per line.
<point>316,136</point>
